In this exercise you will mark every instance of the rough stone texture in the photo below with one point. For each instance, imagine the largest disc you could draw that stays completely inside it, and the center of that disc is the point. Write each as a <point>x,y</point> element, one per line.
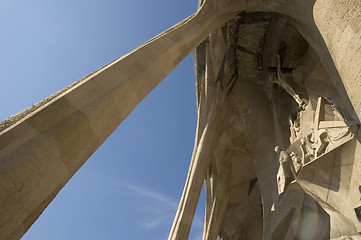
<point>268,73</point>
<point>259,112</point>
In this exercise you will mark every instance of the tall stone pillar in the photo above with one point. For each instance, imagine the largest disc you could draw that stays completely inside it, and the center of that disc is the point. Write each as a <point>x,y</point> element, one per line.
<point>44,145</point>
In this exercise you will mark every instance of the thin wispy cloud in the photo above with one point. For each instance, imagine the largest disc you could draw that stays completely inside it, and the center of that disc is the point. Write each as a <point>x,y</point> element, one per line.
<point>154,195</point>
<point>153,223</point>
<point>162,208</point>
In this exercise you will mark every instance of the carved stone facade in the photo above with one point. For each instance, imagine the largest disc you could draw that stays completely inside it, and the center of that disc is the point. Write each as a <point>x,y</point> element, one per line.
<point>281,160</point>
<point>278,141</point>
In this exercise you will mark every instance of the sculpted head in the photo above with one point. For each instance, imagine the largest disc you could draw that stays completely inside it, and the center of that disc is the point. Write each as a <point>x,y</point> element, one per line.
<point>277,149</point>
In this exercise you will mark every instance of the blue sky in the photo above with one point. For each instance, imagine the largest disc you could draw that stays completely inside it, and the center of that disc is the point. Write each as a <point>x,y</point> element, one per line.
<point>130,187</point>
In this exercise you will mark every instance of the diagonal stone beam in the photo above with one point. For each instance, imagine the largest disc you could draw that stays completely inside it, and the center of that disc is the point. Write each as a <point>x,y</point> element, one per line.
<point>42,147</point>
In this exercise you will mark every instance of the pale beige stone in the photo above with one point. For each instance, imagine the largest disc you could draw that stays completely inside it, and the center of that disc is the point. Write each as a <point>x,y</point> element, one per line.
<point>269,73</point>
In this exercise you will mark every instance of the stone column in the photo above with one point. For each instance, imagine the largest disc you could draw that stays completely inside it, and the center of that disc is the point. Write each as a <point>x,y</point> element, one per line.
<point>43,146</point>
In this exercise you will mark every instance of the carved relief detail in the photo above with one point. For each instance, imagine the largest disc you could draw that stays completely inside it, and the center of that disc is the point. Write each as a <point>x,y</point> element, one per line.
<point>310,140</point>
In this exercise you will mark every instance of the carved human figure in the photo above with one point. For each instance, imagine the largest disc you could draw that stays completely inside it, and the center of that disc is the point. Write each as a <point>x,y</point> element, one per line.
<point>306,149</point>
<point>294,123</point>
<point>286,173</point>
<point>280,80</point>
<point>297,162</point>
<point>291,122</point>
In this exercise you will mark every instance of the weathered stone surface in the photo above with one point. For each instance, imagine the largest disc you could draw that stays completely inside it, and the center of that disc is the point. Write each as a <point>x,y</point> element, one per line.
<point>284,65</point>
<point>269,73</point>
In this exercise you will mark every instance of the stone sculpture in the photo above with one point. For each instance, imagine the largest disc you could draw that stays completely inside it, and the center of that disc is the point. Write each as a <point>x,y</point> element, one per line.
<point>268,73</point>
<point>286,172</point>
